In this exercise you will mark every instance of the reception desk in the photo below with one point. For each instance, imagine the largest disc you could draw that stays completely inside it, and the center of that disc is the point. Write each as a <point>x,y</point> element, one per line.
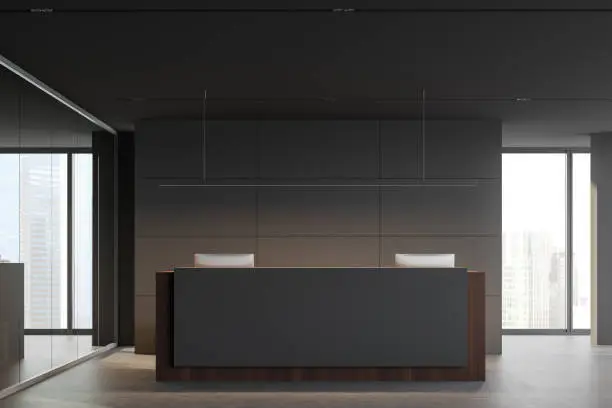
<point>320,324</point>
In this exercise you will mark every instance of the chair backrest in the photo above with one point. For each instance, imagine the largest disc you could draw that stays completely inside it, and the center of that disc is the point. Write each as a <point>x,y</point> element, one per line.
<point>425,260</point>
<point>224,260</point>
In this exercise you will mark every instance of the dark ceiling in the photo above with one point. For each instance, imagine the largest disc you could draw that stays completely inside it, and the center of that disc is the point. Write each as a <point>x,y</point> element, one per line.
<point>539,71</point>
<point>122,5</point>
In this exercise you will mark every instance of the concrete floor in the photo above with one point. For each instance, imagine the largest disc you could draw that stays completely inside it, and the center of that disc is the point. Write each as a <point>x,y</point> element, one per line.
<point>535,371</point>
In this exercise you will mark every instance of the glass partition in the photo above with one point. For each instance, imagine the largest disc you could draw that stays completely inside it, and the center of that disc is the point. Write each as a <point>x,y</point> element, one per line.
<point>46,233</point>
<point>11,288</point>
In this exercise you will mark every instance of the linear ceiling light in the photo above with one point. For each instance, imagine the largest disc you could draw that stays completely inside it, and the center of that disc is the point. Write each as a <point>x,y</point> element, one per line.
<point>429,184</point>
<point>22,73</point>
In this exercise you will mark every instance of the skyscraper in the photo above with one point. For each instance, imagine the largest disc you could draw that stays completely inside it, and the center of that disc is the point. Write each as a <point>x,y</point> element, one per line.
<point>533,294</point>
<point>41,225</point>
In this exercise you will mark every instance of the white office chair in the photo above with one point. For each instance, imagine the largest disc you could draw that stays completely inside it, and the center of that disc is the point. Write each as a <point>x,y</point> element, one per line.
<point>425,260</point>
<point>224,260</point>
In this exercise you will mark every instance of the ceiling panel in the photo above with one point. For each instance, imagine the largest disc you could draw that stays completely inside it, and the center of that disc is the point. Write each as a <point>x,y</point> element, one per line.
<point>548,68</point>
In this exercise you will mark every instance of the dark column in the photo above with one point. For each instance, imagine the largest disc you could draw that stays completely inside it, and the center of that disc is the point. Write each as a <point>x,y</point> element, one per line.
<point>601,169</point>
<point>126,237</point>
<point>105,239</point>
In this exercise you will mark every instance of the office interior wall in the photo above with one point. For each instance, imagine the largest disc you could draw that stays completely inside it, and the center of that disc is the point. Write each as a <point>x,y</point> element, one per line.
<point>45,177</point>
<point>354,223</point>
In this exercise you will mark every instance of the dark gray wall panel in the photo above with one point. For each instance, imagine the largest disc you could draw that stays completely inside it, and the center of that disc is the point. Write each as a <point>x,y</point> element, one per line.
<point>46,123</point>
<point>442,210</point>
<point>231,149</point>
<point>125,236</point>
<point>169,149</point>
<point>144,330</point>
<point>159,254</point>
<point>32,119</point>
<point>105,233</point>
<point>317,226</point>
<point>194,211</point>
<point>9,109</point>
<point>493,324</point>
<point>11,323</point>
<point>304,211</point>
<point>601,169</point>
<point>319,149</point>
<point>346,317</point>
<point>317,251</point>
<point>463,149</point>
<point>475,253</point>
<point>399,147</point>
<point>526,135</point>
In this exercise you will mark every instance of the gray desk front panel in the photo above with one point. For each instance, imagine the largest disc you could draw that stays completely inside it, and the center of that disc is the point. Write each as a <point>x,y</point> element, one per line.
<point>320,317</point>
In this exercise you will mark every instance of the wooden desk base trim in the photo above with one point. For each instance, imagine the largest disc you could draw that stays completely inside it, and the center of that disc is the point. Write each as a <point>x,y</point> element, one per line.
<point>475,371</point>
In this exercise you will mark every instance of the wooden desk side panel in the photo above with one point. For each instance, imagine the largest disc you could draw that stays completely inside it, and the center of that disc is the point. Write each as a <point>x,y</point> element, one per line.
<point>475,371</point>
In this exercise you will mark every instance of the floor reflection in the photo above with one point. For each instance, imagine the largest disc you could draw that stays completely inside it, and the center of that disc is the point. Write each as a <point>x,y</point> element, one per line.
<point>43,353</point>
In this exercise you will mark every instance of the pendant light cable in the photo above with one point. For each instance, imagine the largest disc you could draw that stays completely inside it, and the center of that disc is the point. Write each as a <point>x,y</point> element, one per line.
<point>423,134</point>
<point>204,98</point>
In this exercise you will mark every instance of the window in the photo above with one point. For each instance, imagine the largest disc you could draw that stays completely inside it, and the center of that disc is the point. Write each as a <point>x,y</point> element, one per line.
<point>82,235</point>
<point>40,201</point>
<point>544,286</point>
<point>581,241</point>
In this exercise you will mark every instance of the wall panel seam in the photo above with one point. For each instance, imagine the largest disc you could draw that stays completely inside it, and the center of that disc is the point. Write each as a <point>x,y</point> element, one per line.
<point>380,197</point>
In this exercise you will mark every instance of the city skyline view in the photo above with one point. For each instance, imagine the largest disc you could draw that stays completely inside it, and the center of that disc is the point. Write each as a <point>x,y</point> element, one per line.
<point>534,241</point>
<point>34,231</point>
